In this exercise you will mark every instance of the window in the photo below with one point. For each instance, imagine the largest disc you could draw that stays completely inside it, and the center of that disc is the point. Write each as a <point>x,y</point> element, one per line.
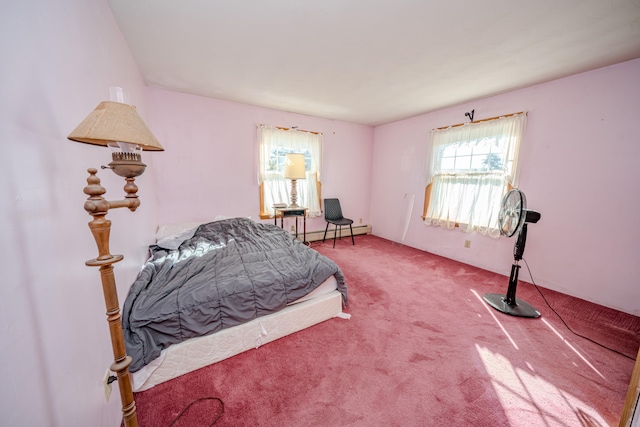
<point>471,168</point>
<point>273,145</point>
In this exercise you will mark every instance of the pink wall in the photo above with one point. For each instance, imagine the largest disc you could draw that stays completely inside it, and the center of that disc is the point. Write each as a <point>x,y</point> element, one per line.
<point>579,170</point>
<point>58,63</point>
<point>209,167</point>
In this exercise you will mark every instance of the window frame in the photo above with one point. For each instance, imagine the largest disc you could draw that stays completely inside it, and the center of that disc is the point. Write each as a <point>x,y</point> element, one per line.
<point>267,212</point>
<point>510,183</point>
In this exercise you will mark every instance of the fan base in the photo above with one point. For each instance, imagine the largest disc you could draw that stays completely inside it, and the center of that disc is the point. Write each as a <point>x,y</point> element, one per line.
<point>519,309</point>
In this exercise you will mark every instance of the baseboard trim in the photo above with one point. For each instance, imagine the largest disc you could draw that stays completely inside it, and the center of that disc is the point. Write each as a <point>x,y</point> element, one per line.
<point>314,236</point>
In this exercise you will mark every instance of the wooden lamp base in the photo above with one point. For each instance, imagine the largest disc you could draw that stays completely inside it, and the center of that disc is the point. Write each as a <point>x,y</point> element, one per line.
<point>100,227</point>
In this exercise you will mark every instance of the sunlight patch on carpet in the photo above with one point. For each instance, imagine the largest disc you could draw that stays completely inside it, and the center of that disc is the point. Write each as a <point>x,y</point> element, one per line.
<point>564,340</point>
<point>493,315</point>
<point>528,399</point>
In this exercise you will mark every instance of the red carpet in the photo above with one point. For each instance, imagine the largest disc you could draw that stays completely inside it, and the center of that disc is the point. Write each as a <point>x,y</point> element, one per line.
<point>421,349</point>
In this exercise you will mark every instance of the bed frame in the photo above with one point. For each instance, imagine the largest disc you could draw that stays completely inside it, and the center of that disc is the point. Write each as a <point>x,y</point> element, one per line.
<point>197,353</point>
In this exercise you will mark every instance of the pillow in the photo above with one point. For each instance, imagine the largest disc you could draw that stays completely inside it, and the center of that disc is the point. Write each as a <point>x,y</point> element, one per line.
<point>171,236</point>
<point>168,230</point>
<point>221,217</point>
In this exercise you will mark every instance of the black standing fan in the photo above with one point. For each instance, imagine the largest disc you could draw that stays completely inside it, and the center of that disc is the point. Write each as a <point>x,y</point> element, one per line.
<point>513,219</point>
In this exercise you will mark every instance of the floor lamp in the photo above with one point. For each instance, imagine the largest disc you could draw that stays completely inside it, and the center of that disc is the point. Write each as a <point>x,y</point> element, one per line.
<point>118,126</point>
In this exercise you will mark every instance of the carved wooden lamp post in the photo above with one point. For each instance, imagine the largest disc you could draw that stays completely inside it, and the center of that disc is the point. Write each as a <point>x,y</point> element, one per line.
<point>118,126</point>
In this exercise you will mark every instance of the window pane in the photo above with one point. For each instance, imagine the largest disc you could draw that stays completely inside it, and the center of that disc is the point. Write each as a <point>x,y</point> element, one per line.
<point>494,162</point>
<point>450,150</point>
<point>482,147</point>
<point>463,163</point>
<point>448,164</point>
<point>478,163</point>
<point>465,149</point>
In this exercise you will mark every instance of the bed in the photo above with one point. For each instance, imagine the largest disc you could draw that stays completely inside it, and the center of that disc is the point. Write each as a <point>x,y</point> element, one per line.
<point>211,291</point>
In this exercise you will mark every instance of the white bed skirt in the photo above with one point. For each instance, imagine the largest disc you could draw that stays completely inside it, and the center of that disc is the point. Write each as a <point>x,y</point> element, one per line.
<point>197,353</point>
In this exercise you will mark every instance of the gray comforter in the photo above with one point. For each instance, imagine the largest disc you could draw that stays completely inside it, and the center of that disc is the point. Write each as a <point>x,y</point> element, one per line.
<point>230,272</point>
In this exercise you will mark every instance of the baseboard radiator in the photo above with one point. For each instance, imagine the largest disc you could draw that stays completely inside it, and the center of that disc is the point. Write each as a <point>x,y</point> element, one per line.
<point>313,236</point>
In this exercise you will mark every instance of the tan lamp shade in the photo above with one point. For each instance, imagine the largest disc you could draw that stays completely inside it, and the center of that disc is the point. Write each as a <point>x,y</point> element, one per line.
<point>294,166</point>
<point>115,122</point>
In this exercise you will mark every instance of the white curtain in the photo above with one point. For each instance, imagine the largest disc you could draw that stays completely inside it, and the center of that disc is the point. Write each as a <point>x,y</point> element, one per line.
<point>470,169</point>
<point>273,144</point>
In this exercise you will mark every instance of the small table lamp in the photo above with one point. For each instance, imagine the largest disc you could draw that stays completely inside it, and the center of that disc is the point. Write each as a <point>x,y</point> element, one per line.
<point>294,169</point>
<point>120,127</point>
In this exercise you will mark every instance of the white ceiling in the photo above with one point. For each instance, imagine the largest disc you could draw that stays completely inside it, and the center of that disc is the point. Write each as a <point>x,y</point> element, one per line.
<point>371,61</point>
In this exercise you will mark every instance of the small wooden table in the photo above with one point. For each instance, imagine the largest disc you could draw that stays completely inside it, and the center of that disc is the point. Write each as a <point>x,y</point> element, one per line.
<point>297,212</point>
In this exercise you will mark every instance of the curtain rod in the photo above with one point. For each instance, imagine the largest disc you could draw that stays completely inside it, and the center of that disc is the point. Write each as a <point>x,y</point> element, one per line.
<point>480,121</point>
<point>296,129</point>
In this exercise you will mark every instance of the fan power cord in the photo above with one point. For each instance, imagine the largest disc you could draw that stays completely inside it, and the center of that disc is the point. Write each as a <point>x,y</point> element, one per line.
<point>215,420</point>
<point>565,323</point>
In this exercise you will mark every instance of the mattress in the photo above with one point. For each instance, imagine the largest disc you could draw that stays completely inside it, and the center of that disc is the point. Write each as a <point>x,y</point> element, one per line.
<point>228,273</point>
<point>322,304</point>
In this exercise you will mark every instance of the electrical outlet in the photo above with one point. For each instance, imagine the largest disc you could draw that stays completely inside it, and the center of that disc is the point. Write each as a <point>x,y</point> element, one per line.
<point>293,229</point>
<point>107,385</point>
<point>467,243</point>
<point>360,221</point>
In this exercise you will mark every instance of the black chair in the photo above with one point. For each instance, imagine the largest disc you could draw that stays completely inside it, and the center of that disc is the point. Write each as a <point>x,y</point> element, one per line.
<point>333,215</point>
